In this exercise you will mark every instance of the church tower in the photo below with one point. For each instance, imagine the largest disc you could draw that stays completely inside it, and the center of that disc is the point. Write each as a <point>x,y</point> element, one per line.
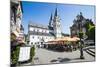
<point>57,25</point>
<point>51,21</point>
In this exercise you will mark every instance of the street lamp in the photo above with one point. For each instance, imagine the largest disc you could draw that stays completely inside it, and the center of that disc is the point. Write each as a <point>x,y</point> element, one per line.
<point>81,45</point>
<point>80,17</point>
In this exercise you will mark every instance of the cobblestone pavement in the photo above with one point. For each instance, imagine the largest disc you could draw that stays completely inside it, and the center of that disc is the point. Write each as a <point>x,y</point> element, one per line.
<point>44,56</point>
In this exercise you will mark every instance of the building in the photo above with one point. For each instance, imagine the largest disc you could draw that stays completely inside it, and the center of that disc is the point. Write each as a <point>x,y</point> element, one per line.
<point>15,20</point>
<point>39,33</point>
<point>79,25</point>
<point>21,38</point>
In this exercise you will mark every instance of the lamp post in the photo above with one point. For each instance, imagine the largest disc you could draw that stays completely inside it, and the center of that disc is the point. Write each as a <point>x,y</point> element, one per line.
<point>80,17</point>
<point>81,45</point>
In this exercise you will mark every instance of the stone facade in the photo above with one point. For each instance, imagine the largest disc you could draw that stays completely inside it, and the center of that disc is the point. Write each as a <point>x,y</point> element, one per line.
<point>79,25</point>
<point>16,19</point>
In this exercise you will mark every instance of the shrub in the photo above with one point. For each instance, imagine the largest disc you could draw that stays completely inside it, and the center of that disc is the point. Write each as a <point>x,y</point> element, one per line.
<point>32,53</point>
<point>15,54</point>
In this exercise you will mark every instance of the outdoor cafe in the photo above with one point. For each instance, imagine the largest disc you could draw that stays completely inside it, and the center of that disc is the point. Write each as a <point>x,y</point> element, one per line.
<point>64,43</point>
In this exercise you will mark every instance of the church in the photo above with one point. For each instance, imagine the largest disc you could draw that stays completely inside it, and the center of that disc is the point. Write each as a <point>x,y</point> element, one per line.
<point>38,33</point>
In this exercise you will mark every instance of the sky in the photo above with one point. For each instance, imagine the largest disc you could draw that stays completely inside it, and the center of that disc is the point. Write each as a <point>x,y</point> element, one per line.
<point>39,12</point>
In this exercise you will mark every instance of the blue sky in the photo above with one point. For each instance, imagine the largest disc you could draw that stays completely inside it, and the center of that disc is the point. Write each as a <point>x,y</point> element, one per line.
<point>39,12</point>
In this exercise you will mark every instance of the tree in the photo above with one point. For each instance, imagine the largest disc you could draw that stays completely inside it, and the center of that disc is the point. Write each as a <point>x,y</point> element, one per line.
<point>91,33</point>
<point>90,29</point>
<point>81,34</point>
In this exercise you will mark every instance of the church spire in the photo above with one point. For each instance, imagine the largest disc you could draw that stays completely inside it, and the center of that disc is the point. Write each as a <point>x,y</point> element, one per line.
<point>51,17</point>
<point>56,12</point>
<point>50,21</point>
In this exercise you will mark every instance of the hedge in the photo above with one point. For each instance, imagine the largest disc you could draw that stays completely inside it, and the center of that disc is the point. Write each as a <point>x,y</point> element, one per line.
<point>15,55</point>
<point>32,53</point>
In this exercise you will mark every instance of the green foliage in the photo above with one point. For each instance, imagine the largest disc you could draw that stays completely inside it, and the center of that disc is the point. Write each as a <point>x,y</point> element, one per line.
<point>90,30</point>
<point>32,53</point>
<point>81,34</point>
<point>15,55</point>
<point>87,25</point>
<point>91,33</point>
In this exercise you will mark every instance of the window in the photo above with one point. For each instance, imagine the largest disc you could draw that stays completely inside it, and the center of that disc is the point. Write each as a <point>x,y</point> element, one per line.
<point>33,37</point>
<point>37,42</point>
<point>31,42</point>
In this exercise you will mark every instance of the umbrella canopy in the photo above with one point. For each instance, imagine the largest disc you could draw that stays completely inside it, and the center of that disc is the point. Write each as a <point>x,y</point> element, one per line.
<point>62,40</point>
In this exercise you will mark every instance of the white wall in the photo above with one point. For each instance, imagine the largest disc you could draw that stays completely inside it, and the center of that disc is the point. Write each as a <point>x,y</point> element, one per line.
<point>39,30</point>
<point>37,38</point>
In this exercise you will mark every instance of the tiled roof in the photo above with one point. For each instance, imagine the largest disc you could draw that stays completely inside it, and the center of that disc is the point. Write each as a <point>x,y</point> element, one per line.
<point>40,33</point>
<point>38,25</point>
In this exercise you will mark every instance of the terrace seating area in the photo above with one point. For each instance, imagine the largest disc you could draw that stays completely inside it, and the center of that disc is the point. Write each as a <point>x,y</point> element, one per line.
<point>63,44</point>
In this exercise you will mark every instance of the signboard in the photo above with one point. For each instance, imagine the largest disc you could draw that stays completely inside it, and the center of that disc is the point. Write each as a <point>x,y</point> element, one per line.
<point>24,54</point>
